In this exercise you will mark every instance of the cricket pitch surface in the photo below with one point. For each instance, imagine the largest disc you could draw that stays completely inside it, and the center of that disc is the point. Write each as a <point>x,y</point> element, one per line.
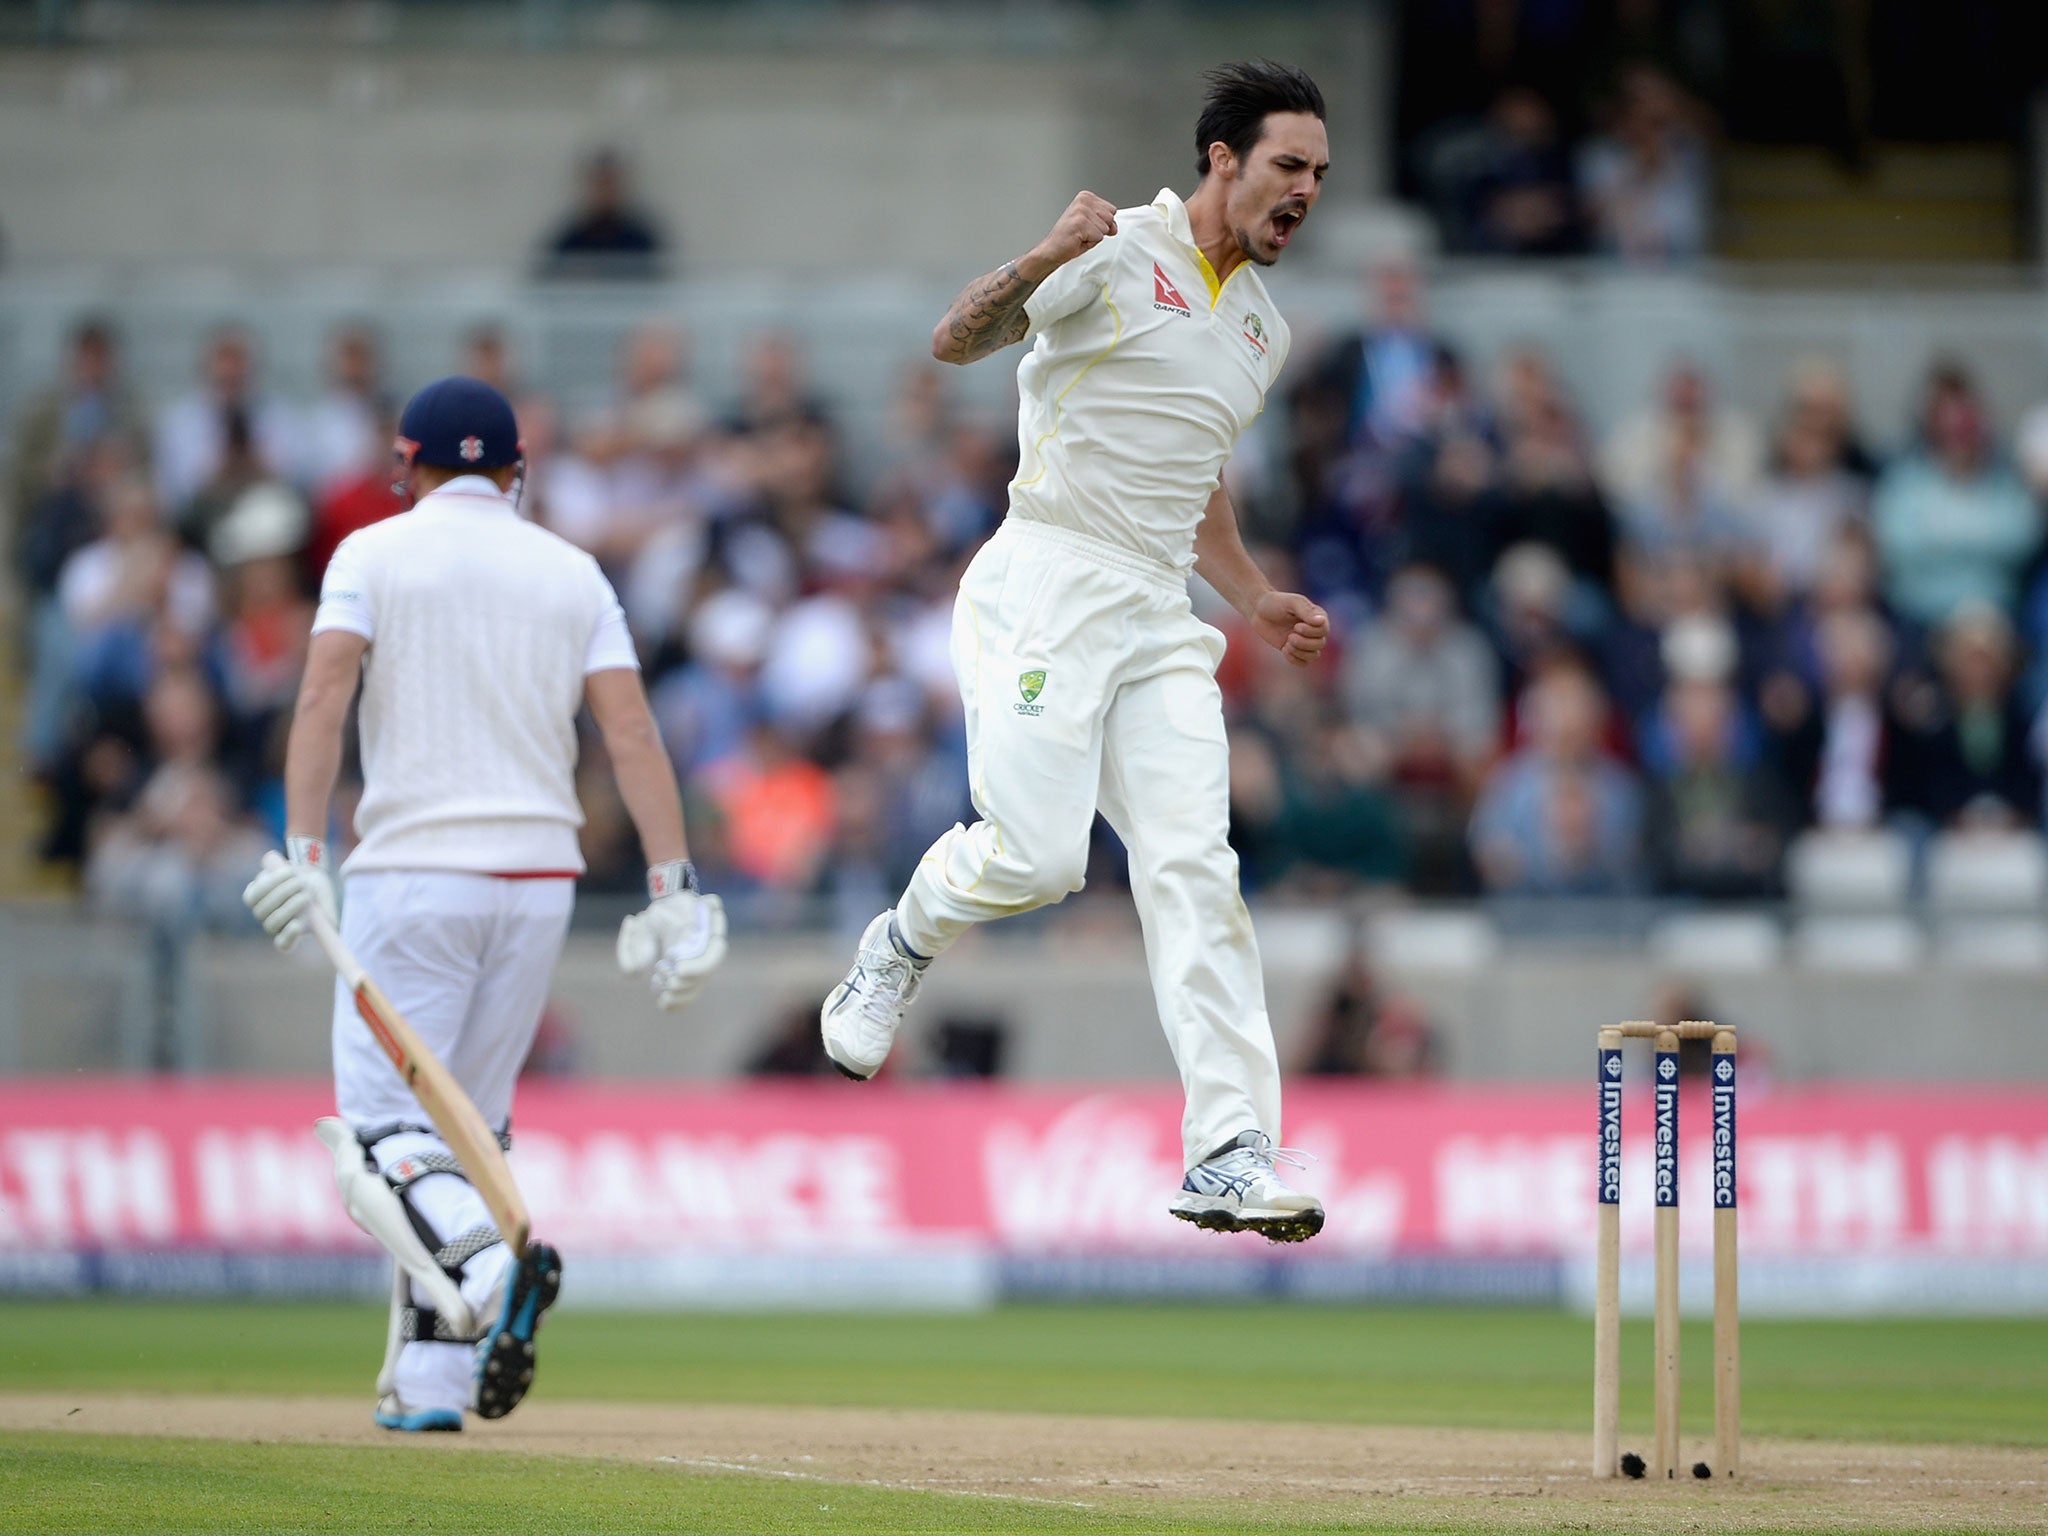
<point>1307,1475</point>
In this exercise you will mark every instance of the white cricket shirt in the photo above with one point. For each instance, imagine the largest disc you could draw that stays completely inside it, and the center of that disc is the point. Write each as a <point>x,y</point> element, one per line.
<point>1142,373</point>
<point>482,627</point>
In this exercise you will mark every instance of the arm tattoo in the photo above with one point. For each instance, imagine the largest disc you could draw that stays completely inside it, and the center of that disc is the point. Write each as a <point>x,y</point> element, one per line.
<point>989,313</point>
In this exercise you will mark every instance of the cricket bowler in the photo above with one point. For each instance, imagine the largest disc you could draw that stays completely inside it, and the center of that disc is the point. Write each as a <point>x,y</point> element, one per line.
<point>476,637</point>
<point>1089,684</point>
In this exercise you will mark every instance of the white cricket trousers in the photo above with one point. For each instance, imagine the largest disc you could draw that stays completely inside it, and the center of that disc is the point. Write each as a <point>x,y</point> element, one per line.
<point>1090,684</point>
<point>468,960</point>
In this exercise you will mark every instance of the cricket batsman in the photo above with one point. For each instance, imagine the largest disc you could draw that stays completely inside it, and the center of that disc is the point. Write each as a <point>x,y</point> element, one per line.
<point>1089,683</point>
<point>476,637</point>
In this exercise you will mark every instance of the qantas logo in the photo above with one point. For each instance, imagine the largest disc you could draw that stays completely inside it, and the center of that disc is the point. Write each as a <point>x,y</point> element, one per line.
<point>1166,296</point>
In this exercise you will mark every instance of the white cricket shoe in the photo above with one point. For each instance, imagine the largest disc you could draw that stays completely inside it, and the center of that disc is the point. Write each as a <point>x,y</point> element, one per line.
<point>1238,1190</point>
<point>862,1014</point>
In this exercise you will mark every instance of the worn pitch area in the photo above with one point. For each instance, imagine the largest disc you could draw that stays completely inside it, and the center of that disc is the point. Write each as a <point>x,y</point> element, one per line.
<point>1296,1473</point>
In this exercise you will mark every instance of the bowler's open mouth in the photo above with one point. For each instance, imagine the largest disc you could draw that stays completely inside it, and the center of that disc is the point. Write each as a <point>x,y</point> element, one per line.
<point>1284,222</point>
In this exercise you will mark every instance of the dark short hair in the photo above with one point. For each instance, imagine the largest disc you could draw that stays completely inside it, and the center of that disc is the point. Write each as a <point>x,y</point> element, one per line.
<point>1240,98</point>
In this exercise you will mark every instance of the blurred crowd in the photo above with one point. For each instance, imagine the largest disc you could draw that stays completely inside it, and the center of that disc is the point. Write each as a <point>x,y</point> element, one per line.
<point>1637,663</point>
<point>1643,662</point>
<point>1516,178</point>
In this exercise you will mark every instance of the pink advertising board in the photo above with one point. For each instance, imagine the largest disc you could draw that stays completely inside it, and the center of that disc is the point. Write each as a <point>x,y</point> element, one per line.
<point>1955,1173</point>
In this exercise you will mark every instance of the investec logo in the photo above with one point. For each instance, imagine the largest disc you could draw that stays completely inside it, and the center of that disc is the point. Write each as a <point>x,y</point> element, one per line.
<point>1667,1128</point>
<point>1610,1127</point>
<point>1724,1132</point>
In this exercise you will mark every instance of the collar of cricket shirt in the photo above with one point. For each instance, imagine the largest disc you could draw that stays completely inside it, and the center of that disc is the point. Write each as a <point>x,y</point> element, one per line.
<point>479,486</point>
<point>1182,228</point>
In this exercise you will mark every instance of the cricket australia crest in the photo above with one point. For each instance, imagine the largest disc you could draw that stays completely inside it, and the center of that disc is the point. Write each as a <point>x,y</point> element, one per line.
<point>1031,685</point>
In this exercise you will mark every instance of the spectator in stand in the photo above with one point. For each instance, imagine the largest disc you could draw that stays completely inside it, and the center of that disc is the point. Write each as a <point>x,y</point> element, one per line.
<point>1362,405</point>
<point>945,474</point>
<point>1687,516</point>
<point>1715,823</point>
<point>665,496</point>
<point>854,876</point>
<point>1333,825</point>
<point>1953,524</point>
<point>1371,387</point>
<point>1366,1030</point>
<point>65,424</point>
<point>1559,817</point>
<point>1450,485</point>
<point>176,856</point>
<point>68,518</point>
<point>919,773</point>
<point>1675,609</point>
<point>116,592</point>
<point>776,393</point>
<point>487,355</point>
<point>706,707</point>
<point>1847,754</point>
<point>225,431</point>
<point>1646,182</point>
<point>1452,512</point>
<point>1528,612</point>
<point>179,860</point>
<point>345,423</point>
<point>1804,504</point>
<point>607,236</point>
<point>267,623</point>
<point>896,791</point>
<point>800,483</point>
<point>629,474</point>
<point>820,654</point>
<point>778,810</point>
<point>1686,438</point>
<point>1977,769</point>
<point>2030,451</point>
<point>1520,199</point>
<point>1548,493</point>
<point>1820,398</point>
<point>1427,685</point>
<point>1785,648</point>
<point>355,496</point>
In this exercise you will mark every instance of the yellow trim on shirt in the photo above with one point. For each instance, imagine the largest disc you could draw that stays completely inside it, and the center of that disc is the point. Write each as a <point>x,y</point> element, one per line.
<point>1216,284</point>
<point>1059,401</point>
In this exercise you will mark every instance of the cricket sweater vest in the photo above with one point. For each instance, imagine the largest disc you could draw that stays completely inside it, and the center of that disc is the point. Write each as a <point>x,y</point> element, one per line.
<point>482,628</point>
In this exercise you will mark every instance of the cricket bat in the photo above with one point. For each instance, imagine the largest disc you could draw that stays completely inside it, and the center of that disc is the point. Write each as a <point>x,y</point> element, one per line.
<point>474,1143</point>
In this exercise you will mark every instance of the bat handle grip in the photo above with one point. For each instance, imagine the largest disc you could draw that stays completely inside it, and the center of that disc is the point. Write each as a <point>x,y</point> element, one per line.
<point>321,926</point>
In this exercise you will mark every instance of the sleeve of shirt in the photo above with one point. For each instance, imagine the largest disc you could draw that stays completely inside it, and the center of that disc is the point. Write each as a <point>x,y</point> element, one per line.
<point>1070,288</point>
<point>345,593</point>
<point>611,642</point>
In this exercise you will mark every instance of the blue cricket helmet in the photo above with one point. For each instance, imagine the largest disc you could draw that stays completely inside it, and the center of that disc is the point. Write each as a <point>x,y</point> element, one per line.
<point>459,423</point>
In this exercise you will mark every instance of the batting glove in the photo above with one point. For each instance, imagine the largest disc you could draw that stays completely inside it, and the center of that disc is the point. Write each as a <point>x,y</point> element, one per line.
<point>681,935</point>
<point>281,898</point>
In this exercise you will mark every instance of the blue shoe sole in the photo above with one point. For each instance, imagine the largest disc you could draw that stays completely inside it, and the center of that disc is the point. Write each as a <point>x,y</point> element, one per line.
<point>421,1420</point>
<point>504,1356</point>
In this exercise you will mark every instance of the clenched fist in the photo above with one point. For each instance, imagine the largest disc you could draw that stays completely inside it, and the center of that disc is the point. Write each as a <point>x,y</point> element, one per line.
<point>1088,221</point>
<point>1292,625</point>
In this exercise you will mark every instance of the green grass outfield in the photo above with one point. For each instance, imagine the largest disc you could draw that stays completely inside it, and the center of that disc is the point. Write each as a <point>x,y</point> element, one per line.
<point>1980,1382</point>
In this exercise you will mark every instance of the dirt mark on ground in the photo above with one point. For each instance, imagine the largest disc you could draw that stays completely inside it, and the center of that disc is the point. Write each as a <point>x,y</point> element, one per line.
<point>1308,1472</point>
